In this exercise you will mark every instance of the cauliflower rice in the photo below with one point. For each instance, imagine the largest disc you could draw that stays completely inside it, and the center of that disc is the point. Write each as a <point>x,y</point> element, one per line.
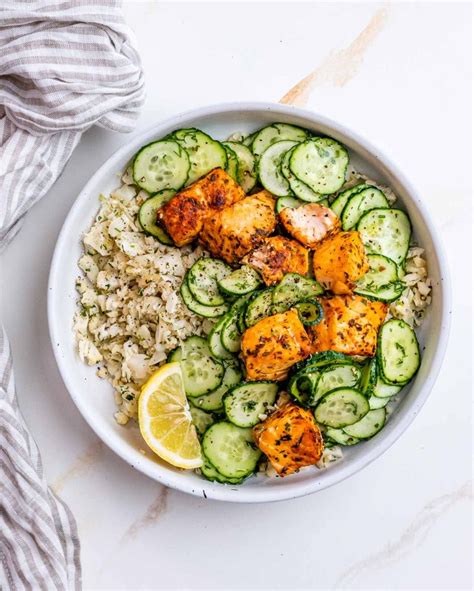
<point>130,314</point>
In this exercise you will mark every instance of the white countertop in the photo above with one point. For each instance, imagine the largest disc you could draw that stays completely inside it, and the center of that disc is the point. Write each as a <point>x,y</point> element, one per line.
<point>403,522</point>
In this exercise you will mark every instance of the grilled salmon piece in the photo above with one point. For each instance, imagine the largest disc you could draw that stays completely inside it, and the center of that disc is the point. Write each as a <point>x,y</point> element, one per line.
<point>277,256</point>
<point>290,439</point>
<point>235,230</point>
<point>339,261</point>
<point>350,325</point>
<point>310,223</point>
<point>272,345</point>
<point>183,216</point>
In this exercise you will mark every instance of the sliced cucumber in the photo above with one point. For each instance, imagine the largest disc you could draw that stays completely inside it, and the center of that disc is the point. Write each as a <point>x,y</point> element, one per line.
<point>161,165</point>
<point>294,288</point>
<point>338,376</point>
<point>215,343</point>
<point>323,359</point>
<point>381,280</point>
<point>203,279</point>
<point>201,372</point>
<point>321,164</point>
<point>175,355</point>
<point>201,420</point>
<point>276,132</point>
<point>230,333</point>
<point>398,352</point>
<point>368,426</point>
<point>259,307</point>
<point>232,167</point>
<point>246,169</point>
<point>369,377</point>
<point>299,188</point>
<point>375,402</point>
<point>240,282</point>
<point>341,407</point>
<point>283,202</point>
<point>210,473</point>
<point>147,215</point>
<point>302,385</point>
<point>269,170</point>
<point>385,391</point>
<point>341,200</point>
<point>386,232</point>
<point>213,400</point>
<point>310,313</point>
<point>340,437</point>
<point>246,402</point>
<point>200,309</point>
<point>360,203</point>
<point>247,141</point>
<point>204,152</point>
<point>231,450</point>
<point>324,202</point>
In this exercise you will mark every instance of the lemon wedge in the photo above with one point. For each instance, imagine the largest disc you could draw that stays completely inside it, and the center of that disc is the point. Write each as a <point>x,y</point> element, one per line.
<point>165,419</point>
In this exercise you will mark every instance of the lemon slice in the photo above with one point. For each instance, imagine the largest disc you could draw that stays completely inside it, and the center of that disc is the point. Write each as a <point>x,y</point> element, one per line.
<point>165,419</point>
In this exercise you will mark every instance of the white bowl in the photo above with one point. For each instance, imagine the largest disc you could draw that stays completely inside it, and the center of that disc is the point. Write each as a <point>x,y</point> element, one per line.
<point>94,397</point>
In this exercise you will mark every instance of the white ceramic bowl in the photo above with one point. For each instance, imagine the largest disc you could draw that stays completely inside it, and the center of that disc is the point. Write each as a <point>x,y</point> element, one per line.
<point>93,396</point>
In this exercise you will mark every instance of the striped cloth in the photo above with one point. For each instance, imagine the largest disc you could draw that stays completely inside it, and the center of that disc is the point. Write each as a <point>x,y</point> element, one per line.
<point>64,65</point>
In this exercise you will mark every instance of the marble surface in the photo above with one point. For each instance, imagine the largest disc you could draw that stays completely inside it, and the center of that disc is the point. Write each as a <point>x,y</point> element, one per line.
<point>398,74</point>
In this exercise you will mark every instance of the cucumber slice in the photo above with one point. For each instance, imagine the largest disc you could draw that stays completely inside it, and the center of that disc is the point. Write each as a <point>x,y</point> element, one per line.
<point>200,309</point>
<point>231,450</point>
<point>340,437</point>
<point>283,202</point>
<point>276,132</point>
<point>215,343</point>
<point>368,426</point>
<point>323,359</point>
<point>375,402</point>
<point>385,391</point>
<point>147,215</point>
<point>230,333</point>
<point>248,140</point>
<point>202,280</point>
<point>369,377</point>
<point>381,280</point>
<point>341,407</point>
<point>324,202</point>
<point>360,203</point>
<point>201,420</point>
<point>344,375</point>
<point>232,167</point>
<point>246,402</point>
<point>310,313</point>
<point>201,372</point>
<point>299,188</point>
<point>175,355</point>
<point>246,169</point>
<point>204,152</point>
<point>301,386</point>
<point>321,164</point>
<point>294,288</point>
<point>161,165</point>
<point>386,232</point>
<point>213,400</point>
<point>240,282</point>
<point>210,473</point>
<point>398,352</point>
<point>341,200</point>
<point>269,170</point>
<point>260,307</point>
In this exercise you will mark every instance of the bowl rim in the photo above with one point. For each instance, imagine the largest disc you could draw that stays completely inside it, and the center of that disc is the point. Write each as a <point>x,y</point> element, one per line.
<point>218,491</point>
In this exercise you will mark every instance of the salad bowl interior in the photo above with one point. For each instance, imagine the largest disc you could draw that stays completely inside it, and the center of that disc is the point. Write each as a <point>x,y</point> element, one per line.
<point>94,397</point>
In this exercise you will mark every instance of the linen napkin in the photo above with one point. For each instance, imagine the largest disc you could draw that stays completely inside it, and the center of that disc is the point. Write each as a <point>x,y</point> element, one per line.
<point>64,66</point>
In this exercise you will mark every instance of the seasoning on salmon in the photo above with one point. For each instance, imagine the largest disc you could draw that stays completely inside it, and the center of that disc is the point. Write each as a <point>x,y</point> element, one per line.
<point>339,261</point>
<point>290,439</point>
<point>272,345</point>
<point>236,230</point>
<point>350,325</point>
<point>310,223</point>
<point>277,256</point>
<point>183,216</point>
